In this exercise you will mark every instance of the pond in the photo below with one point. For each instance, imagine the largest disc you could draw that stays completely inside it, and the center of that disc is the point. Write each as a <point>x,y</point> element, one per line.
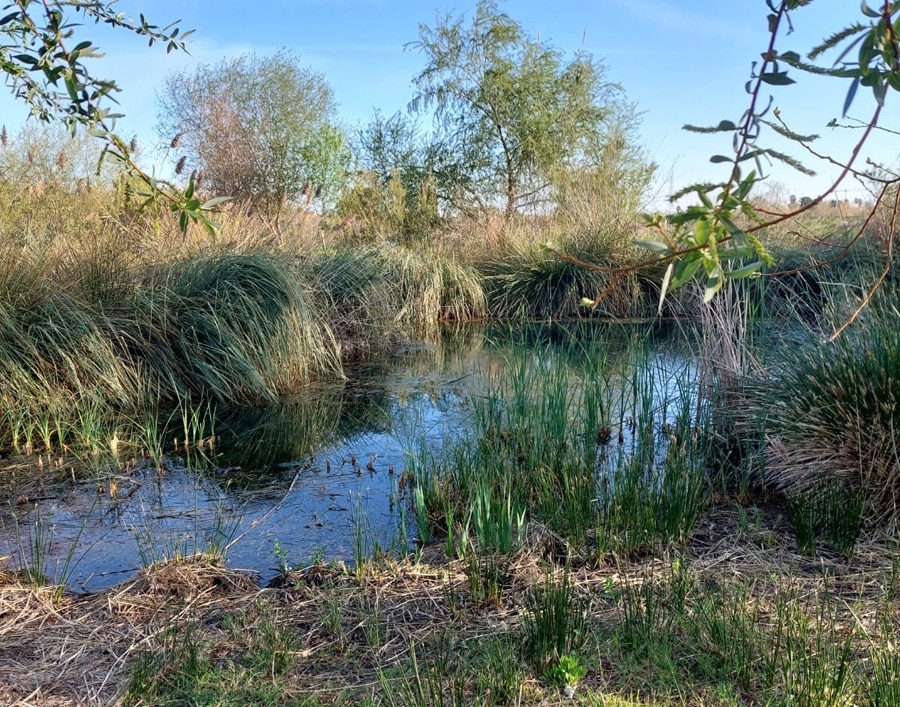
<point>323,476</point>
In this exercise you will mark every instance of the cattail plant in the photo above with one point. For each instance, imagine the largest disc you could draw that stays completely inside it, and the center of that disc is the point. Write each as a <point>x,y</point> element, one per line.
<point>176,141</point>
<point>179,166</point>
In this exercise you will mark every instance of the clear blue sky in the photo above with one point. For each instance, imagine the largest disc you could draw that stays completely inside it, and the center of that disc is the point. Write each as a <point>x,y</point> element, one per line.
<point>680,61</point>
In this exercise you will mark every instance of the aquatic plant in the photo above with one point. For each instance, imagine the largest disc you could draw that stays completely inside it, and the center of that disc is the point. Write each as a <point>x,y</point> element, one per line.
<point>554,624</point>
<point>373,291</point>
<point>236,328</point>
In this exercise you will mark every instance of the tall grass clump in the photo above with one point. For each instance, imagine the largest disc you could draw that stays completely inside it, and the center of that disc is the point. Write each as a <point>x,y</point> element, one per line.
<point>528,282</point>
<point>82,342</point>
<point>373,291</point>
<point>57,360</point>
<point>234,328</point>
<point>832,416</point>
<point>554,623</point>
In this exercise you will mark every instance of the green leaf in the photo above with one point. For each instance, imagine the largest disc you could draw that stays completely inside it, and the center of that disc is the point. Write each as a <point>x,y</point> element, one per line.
<point>718,159</point>
<point>868,11</point>
<point>851,94</point>
<point>776,78</point>
<point>746,186</point>
<point>733,230</point>
<point>214,202</point>
<point>713,285</point>
<point>893,78</point>
<point>664,286</point>
<point>867,51</point>
<point>702,231</point>
<point>743,251</point>
<point>879,88</point>
<point>746,271</point>
<point>685,271</point>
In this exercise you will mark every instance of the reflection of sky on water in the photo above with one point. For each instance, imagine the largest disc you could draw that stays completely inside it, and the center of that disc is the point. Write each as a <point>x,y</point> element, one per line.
<point>339,491</point>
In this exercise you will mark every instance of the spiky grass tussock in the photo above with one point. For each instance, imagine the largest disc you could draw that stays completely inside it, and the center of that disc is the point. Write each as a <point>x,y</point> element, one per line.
<point>77,347</point>
<point>373,289</point>
<point>835,416</point>
<point>236,328</point>
<point>528,282</point>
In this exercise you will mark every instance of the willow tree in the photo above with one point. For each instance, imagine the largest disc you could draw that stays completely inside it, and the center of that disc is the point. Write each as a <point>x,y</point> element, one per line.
<point>509,110</point>
<point>261,129</point>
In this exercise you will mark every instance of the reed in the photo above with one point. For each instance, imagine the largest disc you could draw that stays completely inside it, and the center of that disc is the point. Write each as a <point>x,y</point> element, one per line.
<point>555,622</point>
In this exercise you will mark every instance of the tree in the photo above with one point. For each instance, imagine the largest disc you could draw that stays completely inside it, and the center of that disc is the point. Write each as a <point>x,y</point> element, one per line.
<point>44,65</point>
<point>509,111</point>
<point>392,147</point>
<point>260,129</point>
<point>392,190</point>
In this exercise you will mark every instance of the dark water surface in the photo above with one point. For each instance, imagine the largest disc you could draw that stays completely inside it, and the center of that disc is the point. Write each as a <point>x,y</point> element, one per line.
<point>318,477</point>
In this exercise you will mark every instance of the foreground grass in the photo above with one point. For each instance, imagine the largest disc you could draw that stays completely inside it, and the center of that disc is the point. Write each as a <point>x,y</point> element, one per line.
<point>734,617</point>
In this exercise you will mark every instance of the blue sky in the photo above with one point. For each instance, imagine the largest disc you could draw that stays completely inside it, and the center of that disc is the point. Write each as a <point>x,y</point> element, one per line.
<point>680,61</point>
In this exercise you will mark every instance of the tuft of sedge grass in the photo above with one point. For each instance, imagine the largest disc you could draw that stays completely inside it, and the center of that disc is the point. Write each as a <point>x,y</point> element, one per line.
<point>832,418</point>
<point>530,283</point>
<point>232,327</point>
<point>372,291</point>
<point>236,328</point>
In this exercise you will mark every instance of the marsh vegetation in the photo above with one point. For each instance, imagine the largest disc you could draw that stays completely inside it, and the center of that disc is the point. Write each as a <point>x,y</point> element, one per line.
<point>579,488</point>
<point>605,513</point>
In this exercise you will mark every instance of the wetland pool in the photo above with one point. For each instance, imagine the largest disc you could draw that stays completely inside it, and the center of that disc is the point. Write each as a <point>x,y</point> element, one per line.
<point>323,476</point>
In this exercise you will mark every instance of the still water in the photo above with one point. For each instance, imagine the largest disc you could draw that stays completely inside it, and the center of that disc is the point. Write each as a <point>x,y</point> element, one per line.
<point>319,477</point>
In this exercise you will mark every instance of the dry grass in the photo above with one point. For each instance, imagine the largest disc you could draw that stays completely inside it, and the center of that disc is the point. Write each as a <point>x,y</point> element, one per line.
<point>76,650</point>
<point>72,650</point>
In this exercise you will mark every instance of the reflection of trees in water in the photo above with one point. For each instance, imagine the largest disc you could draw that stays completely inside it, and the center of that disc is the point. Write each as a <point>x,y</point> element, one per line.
<point>260,443</point>
<point>571,342</point>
